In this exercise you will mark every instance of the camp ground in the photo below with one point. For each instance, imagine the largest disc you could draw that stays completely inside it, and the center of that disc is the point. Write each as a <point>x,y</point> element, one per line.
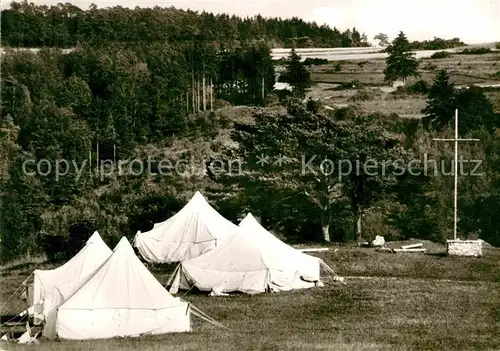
<point>100,294</point>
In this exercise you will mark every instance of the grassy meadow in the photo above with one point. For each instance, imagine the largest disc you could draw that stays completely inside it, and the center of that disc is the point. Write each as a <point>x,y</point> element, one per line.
<point>390,301</point>
<point>373,95</point>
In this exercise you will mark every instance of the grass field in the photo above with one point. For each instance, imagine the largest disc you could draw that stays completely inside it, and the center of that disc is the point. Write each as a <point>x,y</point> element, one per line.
<point>391,301</point>
<point>376,96</point>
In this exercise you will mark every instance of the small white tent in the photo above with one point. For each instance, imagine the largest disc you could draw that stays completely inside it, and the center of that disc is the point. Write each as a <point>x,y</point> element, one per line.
<point>252,261</point>
<point>195,229</point>
<point>122,299</point>
<point>52,287</point>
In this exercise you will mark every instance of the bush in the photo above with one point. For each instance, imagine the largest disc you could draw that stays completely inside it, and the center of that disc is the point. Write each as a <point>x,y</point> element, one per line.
<point>349,85</point>
<point>55,247</point>
<point>338,67</point>
<point>419,87</point>
<point>315,61</point>
<point>497,46</point>
<point>431,67</point>
<point>283,95</point>
<point>64,247</point>
<point>441,54</point>
<point>365,95</point>
<point>399,93</point>
<point>282,78</point>
<point>279,62</point>
<point>272,99</point>
<point>476,51</point>
<point>313,105</point>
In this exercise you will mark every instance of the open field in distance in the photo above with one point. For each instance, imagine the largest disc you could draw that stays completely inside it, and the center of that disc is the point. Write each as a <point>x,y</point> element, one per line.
<point>371,93</point>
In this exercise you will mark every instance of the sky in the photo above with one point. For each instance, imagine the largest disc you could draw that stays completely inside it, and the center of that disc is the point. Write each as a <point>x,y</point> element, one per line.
<point>473,21</point>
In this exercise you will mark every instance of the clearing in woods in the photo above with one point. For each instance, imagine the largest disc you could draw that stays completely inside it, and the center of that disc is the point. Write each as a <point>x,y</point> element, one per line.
<point>373,95</point>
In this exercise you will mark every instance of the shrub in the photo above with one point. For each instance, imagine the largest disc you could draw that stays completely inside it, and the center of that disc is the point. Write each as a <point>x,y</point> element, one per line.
<point>338,67</point>
<point>279,62</point>
<point>315,61</point>
<point>431,67</point>
<point>283,95</point>
<point>282,78</point>
<point>399,93</point>
<point>349,85</point>
<point>55,247</point>
<point>313,105</point>
<point>440,55</point>
<point>364,95</point>
<point>475,51</point>
<point>419,87</point>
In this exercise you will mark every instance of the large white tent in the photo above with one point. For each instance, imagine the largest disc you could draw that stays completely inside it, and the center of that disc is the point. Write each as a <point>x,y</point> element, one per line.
<point>196,229</point>
<point>252,261</point>
<point>121,299</point>
<point>52,287</point>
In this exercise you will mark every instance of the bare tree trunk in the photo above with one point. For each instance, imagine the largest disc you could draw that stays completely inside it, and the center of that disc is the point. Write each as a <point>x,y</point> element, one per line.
<point>326,216</point>
<point>358,226</point>
<point>193,91</point>
<point>97,157</point>
<point>198,98</point>
<point>211,94</point>
<point>187,101</point>
<point>326,232</point>
<point>204,93</point>
<point>262,86</point>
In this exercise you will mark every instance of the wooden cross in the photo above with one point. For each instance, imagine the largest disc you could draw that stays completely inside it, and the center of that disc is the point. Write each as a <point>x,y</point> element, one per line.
<point>456,140</point>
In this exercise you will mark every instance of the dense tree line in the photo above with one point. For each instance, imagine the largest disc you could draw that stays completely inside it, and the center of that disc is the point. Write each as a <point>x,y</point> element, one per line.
<point>436,44</point>
<point>64,25</point>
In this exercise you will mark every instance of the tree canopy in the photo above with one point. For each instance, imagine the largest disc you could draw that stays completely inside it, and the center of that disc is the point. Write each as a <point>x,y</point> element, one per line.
<point>297,75</point>
<point>323,159</point>
<point>401,62</point>
<point>64,25</point>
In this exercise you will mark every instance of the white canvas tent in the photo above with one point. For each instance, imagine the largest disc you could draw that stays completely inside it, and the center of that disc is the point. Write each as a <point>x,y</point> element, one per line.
<point>196,229</point>
<point>52,287</point>
<point>252,261</point>
<point>122,299</point>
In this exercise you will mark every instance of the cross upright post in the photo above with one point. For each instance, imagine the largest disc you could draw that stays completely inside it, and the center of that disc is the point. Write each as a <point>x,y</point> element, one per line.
<point>455,173</point>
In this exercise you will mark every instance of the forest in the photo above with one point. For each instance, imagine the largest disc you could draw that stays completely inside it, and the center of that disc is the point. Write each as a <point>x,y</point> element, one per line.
<point>172,84</point>
<point>28,25</point>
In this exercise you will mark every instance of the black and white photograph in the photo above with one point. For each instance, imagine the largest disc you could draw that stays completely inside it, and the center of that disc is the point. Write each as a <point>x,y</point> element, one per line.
<point>249,175</point>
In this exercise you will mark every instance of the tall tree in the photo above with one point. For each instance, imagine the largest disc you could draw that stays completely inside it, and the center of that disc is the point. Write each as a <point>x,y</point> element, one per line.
<point>383,39</point>
<point>401,62</point>
<point>297,75</point>
<point>306,153</point>
<point>475,109</point>
<point>440,102</point>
